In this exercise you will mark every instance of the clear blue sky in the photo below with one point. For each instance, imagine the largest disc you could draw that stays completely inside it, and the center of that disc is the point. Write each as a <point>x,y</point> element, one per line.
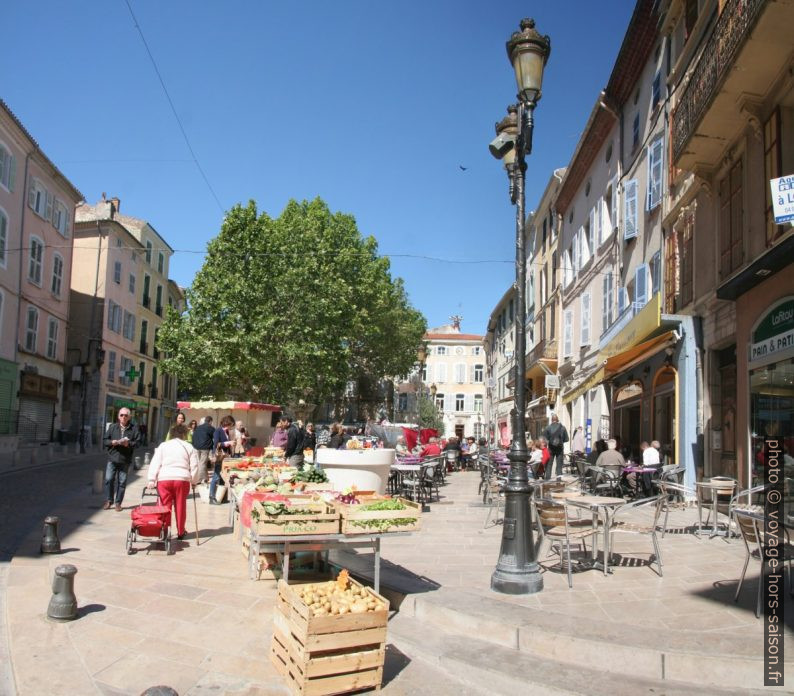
<point>372,105</point>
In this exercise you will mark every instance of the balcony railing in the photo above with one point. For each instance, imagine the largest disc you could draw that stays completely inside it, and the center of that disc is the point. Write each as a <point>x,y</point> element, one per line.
<point>730,32</point>
<point>546,350</point>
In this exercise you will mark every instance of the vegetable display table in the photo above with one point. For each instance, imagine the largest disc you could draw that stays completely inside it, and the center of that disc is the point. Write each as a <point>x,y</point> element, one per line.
<point>312,542</point>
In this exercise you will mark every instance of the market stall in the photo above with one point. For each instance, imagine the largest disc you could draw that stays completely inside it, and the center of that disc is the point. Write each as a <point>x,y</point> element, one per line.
<point>257,417</point>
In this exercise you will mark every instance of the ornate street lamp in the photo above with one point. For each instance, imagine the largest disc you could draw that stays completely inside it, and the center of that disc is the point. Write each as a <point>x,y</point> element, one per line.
<point>422,355</point>
<point>517,571</point>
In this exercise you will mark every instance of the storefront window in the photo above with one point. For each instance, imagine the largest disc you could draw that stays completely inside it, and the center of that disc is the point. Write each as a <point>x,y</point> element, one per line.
<point>664,425</point>
<point>772,416</point>
<point>627,419</point>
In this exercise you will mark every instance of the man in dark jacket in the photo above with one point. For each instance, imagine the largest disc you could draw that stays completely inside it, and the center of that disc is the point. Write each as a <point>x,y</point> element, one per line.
<point>202,443</point>
<point>292,450</point>
<point>121,439</point>
<point>556,436</point>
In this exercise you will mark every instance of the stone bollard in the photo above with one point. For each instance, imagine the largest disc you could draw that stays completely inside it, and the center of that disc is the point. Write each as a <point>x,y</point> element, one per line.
<point>99,481</point>
<point>50,452</point>
<point>50,543</point>
<point>160,690</point>
<point>63,603</point>
<point>137,463</point>
<point>146,459</point>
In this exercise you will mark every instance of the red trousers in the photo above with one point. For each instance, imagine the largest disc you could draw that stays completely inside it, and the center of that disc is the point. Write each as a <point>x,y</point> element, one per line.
<point>174,493</point>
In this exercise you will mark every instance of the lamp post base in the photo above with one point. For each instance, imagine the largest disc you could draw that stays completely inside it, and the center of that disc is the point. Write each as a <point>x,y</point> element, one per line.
<point>517,582</point>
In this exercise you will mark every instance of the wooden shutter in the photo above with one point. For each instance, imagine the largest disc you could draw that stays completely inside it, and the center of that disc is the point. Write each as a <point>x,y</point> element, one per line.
<point>12,173</point>
<point>567,347</point>
<point>585,329</point>
<point>641,286</point>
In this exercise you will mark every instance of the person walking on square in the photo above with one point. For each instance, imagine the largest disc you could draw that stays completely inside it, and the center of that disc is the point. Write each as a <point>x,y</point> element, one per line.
<point>120,440</point>
<point>577,442</point>
<point>202,442</point>
<point>174,467</point>
<point>556,436</point>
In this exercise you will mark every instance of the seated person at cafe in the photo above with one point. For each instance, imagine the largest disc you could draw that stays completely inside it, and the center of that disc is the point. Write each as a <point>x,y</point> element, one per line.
<point>610,457</point>
<point>431,449</point>
<point>473,449</point>
<point>650,458</point>
<point>401,448</point>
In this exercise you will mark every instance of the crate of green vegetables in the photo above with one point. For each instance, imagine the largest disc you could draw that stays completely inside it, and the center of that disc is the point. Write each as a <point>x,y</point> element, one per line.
<point>294,517</point>
<point>370,514</point>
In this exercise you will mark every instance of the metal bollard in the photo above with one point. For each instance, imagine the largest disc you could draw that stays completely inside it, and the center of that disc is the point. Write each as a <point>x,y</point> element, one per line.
<point>99,481</point>
<point>63,603</point>
<point>50,543</point>
<point>137,463</point>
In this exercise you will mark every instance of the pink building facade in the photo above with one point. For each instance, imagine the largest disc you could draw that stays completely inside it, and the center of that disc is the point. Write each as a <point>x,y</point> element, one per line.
<point>36,208</point>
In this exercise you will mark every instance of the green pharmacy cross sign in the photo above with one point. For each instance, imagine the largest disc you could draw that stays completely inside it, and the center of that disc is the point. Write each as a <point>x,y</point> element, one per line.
<point>131,374</point>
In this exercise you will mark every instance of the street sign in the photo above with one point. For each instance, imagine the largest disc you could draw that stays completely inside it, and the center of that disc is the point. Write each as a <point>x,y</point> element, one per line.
<point>783,198</point>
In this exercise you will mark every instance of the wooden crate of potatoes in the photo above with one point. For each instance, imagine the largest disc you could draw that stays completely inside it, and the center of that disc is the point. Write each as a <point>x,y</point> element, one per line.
<point>329,637</point>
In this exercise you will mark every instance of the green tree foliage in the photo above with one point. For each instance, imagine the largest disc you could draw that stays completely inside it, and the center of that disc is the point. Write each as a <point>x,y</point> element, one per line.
<point>290,308</point>
<point>429,415</point>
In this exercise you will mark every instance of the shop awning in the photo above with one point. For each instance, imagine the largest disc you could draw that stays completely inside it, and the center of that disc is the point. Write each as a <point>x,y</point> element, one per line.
<point>593,379</point>
<point>537,370</point>
<point>227,405</point>
<point>618,362</point>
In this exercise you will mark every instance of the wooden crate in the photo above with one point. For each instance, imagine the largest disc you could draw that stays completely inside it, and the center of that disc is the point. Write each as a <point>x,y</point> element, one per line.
<point>322,519</point>
<point>327,654</point>
<point>351,514</point>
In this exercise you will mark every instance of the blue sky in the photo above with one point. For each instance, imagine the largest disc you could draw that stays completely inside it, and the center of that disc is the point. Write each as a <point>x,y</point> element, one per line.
<point>372,106</point>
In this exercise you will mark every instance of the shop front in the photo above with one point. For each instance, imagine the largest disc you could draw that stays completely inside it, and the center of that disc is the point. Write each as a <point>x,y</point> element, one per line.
<point>114,403</point>
<point>650,373</point>
<point>38,397</point>
<point>770,382</point>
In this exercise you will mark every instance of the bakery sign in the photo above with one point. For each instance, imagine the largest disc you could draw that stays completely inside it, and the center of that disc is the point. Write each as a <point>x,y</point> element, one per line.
<point>775,332</point>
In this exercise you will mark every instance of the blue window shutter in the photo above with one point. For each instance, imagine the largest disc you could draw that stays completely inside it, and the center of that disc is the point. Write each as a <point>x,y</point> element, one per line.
<point>630,229</point>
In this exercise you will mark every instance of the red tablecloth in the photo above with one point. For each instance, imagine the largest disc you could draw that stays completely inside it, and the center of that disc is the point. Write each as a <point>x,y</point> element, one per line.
<point>248,502</point>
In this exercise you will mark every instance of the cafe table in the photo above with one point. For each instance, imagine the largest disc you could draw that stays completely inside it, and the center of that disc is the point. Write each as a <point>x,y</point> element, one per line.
<point>599,505</point>
<point>713,489</point>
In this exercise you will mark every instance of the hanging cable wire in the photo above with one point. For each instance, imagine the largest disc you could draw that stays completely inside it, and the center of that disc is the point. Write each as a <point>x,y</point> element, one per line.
<point>173,108</point>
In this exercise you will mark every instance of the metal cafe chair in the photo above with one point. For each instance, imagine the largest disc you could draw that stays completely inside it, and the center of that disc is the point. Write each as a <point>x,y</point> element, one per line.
<point>557,525</point>
<point>675,497</point>
<point>751,528</point>
<point>621,526</point>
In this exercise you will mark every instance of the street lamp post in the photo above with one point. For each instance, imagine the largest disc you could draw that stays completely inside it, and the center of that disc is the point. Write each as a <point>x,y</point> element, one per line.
<point>422,354</point>
<point>517,570</point>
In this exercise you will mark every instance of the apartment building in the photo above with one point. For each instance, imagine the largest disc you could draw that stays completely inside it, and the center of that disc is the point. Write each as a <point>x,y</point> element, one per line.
<point>120,289</point>
<point>727,260</point>
<point>36,204</point>
<point>543,309</point>
<point>455,372</point>
<point>500,368</point>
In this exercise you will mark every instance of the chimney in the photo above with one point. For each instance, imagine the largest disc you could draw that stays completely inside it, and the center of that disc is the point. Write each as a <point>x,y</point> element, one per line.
<point>115,206</point>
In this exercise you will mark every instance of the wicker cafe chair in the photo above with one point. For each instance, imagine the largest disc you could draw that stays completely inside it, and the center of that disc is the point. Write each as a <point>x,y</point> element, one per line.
<point>675,498</point>
<point>621,526</point>
<point>562,529</point>
<point>751,527</point>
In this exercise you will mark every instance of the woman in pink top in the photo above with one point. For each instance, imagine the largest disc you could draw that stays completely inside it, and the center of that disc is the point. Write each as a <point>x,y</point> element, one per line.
<point>174,467</point>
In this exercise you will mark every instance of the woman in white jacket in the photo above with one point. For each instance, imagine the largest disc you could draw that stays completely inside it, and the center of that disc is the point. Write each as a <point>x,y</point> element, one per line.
<point>174,467</point>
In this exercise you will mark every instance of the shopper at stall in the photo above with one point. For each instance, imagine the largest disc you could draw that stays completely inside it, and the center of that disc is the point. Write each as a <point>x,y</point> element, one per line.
<point>556,436</point>
<point>222,444</point>
<point>279,438</point>
<point>192,428</point>
<point>120,440</point>
<point>202,443</point>
<point>180,420</point>
<point>309,437</point>
<point>174,467</point>
<point>292,450</point>
<point>323,436</point>
<point>335,440</point>
<point>240,435</point>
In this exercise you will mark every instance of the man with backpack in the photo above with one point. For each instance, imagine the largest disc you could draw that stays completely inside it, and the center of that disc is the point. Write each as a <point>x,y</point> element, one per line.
<point>556,436</point>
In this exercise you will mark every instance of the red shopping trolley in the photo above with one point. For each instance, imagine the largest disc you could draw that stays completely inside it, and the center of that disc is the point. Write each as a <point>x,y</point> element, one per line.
<point>150,521</point>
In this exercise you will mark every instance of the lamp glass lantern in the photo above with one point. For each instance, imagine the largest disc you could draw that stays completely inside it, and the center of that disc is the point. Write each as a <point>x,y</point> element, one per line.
<point>528,52</point>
